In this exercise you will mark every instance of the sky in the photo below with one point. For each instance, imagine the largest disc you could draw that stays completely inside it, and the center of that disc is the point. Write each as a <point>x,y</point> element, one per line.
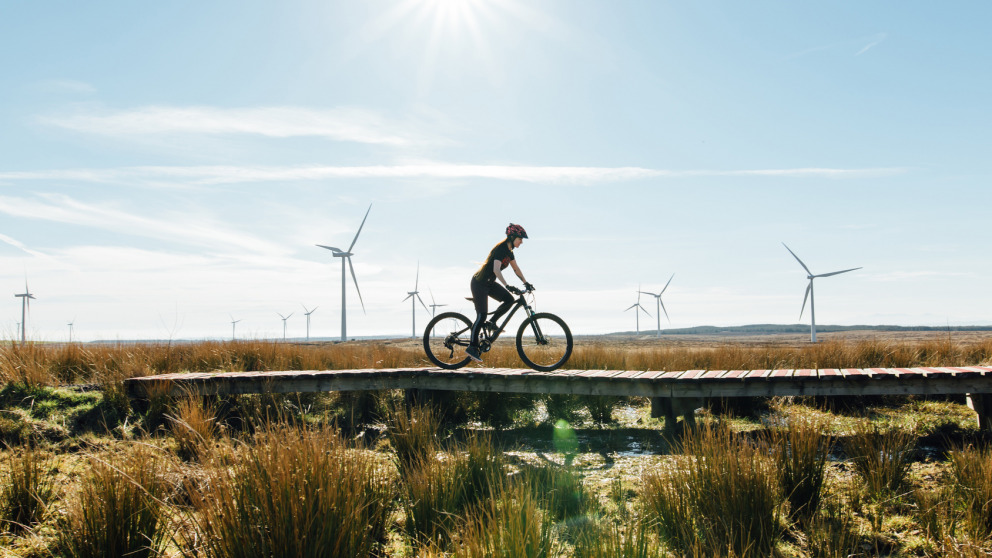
<point>167,168</point>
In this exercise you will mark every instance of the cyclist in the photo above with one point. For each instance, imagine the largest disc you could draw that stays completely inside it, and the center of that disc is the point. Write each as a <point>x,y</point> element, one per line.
<point>484,285</point>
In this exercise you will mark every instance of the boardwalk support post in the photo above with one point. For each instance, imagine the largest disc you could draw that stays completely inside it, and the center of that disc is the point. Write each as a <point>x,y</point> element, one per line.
<point>671,407</point>
<point>981,403</point>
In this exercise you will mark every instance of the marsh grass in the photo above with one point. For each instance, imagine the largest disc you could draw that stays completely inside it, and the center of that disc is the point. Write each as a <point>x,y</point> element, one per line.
<point>880,457</point>
<point>28,488</point>
<point>119,508</point>
<point>293,491</point>
<point>971,470</point>
<point>414,433</point>
<point>834,532</point>
<point>720,496</point>
<point>194,427</point>
<point>614,541</point>
<point>800,450</point>
<point>509,525</point>
<point>560,490</point>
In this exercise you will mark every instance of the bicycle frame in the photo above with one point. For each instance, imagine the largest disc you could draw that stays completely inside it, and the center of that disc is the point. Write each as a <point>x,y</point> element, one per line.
<point>486,338</point>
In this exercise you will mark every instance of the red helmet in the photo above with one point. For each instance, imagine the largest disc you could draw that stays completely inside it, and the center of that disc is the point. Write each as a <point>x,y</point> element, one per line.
<point>516,230</point>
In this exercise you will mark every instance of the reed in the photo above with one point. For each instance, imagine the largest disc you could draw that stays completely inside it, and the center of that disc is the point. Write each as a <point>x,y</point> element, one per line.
<point>28,488</point>
<point>294,491</point>
<point>560,490</point>
<point>800,450</point>
<point>119,508</point>
<point>971,470</point>
<point>510,525</point>
<point>615,541</point>
<point>880,457</point>
<point>193,427</point>
<point>722,496</point>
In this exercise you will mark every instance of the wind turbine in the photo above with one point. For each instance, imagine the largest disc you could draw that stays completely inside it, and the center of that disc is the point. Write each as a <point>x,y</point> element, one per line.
<point>284,318</point>
<point>233,321</point>
<point>661,305</point>
<point>345,255</point>
<point>434,305</point>
<point>307,314</point>
<point>70,324</point>
<point>637,306</point>
<point>25,297</point>
<point>809,292</point>
<point>414,296</point>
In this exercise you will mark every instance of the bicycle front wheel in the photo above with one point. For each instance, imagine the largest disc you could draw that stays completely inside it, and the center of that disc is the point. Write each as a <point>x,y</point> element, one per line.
<point>544,342</point>
<point>446,338</point>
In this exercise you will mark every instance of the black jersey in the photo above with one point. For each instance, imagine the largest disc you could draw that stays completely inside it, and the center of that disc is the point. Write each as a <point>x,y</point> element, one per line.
<point>501,253</point>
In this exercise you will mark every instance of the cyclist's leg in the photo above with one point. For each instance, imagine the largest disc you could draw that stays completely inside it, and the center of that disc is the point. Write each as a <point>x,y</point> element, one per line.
<point>480,296</point>
<point>500,293</point>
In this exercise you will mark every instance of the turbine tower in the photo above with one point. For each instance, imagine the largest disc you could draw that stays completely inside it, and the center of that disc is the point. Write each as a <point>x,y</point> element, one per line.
<point>307,314</point>
<point>661,305</point>
<point>637,306</point>
<point>284,318</point>
<point>345,255</point>
<point>26,298</point>
<point>809,293</point>
<point>233,321</point>
<point>414,296</point>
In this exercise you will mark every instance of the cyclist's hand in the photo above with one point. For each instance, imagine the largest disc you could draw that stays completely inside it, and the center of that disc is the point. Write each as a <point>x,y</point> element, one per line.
<point>514,290</point>
<point>528,286</point>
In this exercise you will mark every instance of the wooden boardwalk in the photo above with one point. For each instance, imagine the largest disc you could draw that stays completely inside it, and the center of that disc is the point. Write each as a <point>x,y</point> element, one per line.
<point>974,381</point>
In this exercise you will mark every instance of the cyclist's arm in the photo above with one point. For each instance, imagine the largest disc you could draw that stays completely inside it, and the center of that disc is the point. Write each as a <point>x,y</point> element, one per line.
<point>516,269</point>
<point>499,272</point>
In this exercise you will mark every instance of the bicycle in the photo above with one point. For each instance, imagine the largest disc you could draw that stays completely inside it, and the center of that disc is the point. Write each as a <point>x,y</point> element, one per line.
<point>544,341</point>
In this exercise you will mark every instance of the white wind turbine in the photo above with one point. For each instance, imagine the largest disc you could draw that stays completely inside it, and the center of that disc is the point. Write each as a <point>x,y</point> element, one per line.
<point>346,256</point>
<point>661,305</point>
<point>26,298</point>
<point>414,296</point>
<point>637,306</point>
<point>284,318</point>
<point>809,292</point>
<point>307,314</point>
<point>70,324</point>
<point>434,305</point>
<point>233,326</point>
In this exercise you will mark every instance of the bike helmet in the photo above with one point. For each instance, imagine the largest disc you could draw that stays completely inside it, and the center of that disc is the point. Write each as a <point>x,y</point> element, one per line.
<point>516,230</point>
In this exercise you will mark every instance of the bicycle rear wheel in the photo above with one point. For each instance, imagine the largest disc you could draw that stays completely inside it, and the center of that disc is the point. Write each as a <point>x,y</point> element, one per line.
<point>544,342</point>
<point>446,338</point>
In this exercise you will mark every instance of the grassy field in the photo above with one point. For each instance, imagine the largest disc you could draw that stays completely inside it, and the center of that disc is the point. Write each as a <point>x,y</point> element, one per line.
<point>85,472</point>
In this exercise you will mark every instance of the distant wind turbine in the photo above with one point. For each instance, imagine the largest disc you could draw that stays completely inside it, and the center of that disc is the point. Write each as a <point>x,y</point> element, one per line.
<point>233,321</point>
<point>809,292</point>
<point>434,305</point>
<point>307,314</point>
<point>26,298</point>
<point>637,306</point>
<point>661,305</point>
<point>345,255</point>
<point>70,324</point>
<point>414,296</point>
<point>284,318</point>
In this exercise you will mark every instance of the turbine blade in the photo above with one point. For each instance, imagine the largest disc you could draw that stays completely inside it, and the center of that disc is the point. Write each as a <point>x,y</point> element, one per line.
<point>355,279</point>
<point>643,310</point>
<point>360,232</point>
<point>666,284</point>
<point>434,302</point>
<point>407,297</point>
<point>647,293</point>
<point>663,309</point>
<point>331,248</point>
<point>797,259</point>
<point>837,272</point>
<point>422,303</point>
<point>806,296</point>
<point>417,282</point>
<point>629,307</point>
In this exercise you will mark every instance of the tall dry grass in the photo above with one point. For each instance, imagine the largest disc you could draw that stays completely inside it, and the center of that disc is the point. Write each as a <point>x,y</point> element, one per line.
<point>881,457</point>
<point>293,491</point>
<point>800,449</point>
<point>721,497</point>
<point>972,472</point>
<point>50,364</point>
<point>119,509</point>
<point>509,525</point>
<point>27,488</point>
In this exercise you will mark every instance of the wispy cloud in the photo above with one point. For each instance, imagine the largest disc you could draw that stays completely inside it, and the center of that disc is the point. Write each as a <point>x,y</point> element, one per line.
<point>19,245</point>
<point>878,39</point>
<point>207,175</point>
<point>339,124</point>
<point>173,228</point>
<point>897,276</point>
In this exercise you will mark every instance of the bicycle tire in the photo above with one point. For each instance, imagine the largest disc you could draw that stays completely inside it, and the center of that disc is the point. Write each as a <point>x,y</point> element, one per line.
<point>445,339</point>
<point>549,353</point>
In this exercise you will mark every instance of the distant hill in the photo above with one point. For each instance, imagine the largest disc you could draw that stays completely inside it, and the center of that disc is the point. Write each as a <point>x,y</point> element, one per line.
<point>763,329</point>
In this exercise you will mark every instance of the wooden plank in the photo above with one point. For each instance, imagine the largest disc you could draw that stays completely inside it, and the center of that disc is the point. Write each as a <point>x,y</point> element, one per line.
<point>735,374</point>
<point>713,375</point>
<point>758,374</point>
<point>781,373</point>
<point>804,373</point>
<point>691,374</point>
<point>830,373</point>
